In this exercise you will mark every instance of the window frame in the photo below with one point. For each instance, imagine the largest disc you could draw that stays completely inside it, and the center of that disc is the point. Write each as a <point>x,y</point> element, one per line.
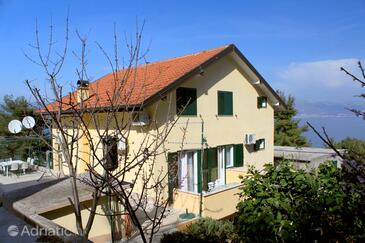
<point>260,101</point>
<point>224,109</point>
<point>258,143</point>
<point>231,147</point>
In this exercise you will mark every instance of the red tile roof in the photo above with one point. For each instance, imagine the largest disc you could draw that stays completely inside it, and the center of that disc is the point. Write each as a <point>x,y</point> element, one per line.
<point>136,85</point>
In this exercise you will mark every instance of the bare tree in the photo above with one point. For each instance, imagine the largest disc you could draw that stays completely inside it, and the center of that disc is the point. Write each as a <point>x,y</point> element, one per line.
<point>354,169</point>
<point>90,122</point>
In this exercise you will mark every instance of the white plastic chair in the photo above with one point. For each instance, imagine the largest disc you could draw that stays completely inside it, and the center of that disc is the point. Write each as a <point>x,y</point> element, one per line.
<point>32,166</point>
<point>14,168</point>
<point>24,167</point>
<point>211,186</point>
<point>28,160</point>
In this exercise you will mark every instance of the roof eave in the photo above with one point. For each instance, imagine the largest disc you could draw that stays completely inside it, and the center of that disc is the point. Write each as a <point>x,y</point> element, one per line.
<point>175,84</point>
<point>278,106</point>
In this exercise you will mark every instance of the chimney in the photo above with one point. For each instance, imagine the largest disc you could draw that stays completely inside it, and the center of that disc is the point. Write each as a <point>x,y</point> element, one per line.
<point>82,90</point>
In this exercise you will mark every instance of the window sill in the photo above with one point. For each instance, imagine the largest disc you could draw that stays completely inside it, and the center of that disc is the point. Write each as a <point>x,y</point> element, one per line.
<point>238,169</point>
<point>188,192</point>
<point>222,188</point>
<point>187,115</point>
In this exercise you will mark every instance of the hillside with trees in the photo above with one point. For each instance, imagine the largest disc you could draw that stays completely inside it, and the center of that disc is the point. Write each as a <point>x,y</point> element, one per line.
<point>288,132</point>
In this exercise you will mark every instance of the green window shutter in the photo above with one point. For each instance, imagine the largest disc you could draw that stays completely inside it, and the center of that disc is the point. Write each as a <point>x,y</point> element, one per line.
<point>199,171</point>
<point>238,155</point>
<point>228,103</point>
<point>225,103</point>
<point>213,164</point>
<point>220,103</point>
<point>186,97</point>
<point>172,175</point>
<point>209,163</point>
<point>205,170</point>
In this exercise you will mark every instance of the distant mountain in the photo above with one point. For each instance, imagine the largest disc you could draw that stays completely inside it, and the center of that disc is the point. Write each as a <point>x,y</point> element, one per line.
<point>325,109</point>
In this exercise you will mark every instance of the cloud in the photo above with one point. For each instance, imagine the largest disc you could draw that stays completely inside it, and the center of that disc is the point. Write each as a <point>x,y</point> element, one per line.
<point>324,73</point>
<point>319,81</point>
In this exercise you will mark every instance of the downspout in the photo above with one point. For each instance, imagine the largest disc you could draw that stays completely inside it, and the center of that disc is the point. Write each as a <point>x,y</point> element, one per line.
<point>201,169</point>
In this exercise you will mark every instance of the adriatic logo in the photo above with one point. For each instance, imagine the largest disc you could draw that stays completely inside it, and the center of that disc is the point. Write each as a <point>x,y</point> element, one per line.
<point>13,230</point>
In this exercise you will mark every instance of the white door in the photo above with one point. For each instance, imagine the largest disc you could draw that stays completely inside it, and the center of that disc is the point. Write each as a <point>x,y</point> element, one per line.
<point>221,167</point>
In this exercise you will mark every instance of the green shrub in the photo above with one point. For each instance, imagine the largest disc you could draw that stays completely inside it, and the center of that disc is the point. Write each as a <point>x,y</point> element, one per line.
<point>212,230</point>
<point>179,237</point>
<point>204,230</point>
<point>286,205</point>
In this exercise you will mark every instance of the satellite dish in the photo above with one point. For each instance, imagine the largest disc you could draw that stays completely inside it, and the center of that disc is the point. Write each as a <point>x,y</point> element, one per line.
<point>15,126</point>
<point>28,122</point>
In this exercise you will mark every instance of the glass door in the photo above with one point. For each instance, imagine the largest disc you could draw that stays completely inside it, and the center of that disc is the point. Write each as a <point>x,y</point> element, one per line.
<point>221,167</point>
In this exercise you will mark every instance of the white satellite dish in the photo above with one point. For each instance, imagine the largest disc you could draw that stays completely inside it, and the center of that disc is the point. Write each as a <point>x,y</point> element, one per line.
<point>28,122</point>
<point>15,126</point>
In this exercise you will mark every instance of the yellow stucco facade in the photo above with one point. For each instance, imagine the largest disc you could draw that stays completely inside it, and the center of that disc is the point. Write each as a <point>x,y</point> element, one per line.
<point>223,75</point>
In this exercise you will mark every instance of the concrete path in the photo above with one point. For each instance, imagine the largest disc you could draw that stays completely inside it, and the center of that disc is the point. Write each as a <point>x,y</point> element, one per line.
<point>170,223</point>
<point>17,187</point>
<point>11,228</point>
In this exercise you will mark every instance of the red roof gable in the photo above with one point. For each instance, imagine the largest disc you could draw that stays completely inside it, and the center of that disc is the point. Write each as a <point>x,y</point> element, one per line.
<point>137,85</point>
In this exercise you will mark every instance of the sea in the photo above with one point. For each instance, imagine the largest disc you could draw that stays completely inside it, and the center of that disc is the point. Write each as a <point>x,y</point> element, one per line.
<point>336,127</point>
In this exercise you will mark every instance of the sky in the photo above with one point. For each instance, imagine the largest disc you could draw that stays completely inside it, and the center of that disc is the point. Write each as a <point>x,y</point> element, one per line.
<point>298,46</point>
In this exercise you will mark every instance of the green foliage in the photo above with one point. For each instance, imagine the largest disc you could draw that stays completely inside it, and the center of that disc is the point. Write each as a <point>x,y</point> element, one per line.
<point>287,130</point>
<point>355,148</point>
<point>179,237</point>
<point>204,230</point>
<point>13,108</point>
<point>215,231</point>
<point>19,145</point>
<point>287,205</point>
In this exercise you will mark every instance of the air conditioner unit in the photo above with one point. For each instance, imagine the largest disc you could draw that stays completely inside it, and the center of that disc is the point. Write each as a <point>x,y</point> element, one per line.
<point>140,119</point>
<point>250,138</point>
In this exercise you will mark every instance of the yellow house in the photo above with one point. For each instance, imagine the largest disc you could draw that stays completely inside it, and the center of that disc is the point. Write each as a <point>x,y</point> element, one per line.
<point>227,113</point>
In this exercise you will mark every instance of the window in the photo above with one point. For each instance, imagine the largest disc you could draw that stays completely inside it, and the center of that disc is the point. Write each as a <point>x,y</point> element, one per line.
<point>186,101</point>
<point>260,144</point>
<point>212,165</point>
<point>110,152</point>
<point>184,168</point>
<point>261,102</point>
<point>221,167</point>
<point>188,171</point>
<point>229,155</point>
<point>225,103</point>
<point>122,145</point>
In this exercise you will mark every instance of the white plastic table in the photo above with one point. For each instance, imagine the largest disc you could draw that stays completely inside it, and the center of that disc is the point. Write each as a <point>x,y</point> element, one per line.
<point>7,164</point>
